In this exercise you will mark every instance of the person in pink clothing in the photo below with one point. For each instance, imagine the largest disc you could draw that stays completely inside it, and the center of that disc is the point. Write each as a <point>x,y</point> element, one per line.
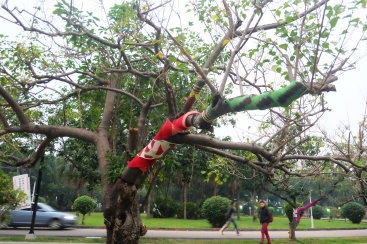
<point>298,212</point>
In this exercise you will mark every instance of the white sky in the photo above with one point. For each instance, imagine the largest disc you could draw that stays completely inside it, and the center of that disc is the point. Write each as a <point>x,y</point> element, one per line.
<point>348,104</point>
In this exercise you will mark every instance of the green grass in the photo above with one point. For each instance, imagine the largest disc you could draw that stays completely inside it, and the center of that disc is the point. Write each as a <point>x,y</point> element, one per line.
<point>53,239</point>
<point>245,222</point>
<point>93,219</point>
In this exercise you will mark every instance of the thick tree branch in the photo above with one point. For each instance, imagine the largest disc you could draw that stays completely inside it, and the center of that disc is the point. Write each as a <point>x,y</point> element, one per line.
<point>53,131</point>
<point>15,106</point>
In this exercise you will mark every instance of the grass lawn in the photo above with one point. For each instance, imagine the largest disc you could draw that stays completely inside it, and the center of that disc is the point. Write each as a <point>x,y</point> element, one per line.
<point>245,222</point>
<point>53,239</point>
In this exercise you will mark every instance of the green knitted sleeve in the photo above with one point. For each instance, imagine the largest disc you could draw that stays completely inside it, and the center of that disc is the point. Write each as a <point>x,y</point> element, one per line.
<point>279,98</point>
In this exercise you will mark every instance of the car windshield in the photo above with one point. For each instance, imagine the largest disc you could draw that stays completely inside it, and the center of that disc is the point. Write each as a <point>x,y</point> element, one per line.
<point>41,207</point>
<point>46,208</point>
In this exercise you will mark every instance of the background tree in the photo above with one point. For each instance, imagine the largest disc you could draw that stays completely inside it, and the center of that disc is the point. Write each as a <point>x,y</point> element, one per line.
<point>295,192</point>
<point>81,164</point>
<point>108,83</point>
<point>318,212</point>
<point>350,144</point>
<point>55,190</point>
<point>9,198</point>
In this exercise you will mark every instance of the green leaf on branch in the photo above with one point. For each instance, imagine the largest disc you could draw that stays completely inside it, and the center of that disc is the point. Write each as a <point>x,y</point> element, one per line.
<point>334,21</point>
<point>284,46</point>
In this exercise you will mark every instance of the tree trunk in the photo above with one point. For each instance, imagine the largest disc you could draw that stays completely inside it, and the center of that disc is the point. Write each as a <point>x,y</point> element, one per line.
<point>292,230</point>
<point>185,200</point>
<point>121,207</point>
<point>238,208</point>
<point>149,201</point>
<point>122,218</point>
<point>122,215</point>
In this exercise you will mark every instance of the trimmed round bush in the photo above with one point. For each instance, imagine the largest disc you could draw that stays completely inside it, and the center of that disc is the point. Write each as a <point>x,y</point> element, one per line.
<point>84,204</point>
<point>192,211</point>
<point>353,211</point>
<point>317,212</point>
<point>214,209</point>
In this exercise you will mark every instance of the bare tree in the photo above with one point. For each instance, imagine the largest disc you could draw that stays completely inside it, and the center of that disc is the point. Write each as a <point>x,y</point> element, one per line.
<point>352,146</point>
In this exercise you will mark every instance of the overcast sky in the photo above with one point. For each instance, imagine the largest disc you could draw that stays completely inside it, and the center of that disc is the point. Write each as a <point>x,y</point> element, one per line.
<point>348,104</point>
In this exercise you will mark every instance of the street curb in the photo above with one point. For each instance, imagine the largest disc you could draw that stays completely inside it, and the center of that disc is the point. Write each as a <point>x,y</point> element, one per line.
<point>217,229</point>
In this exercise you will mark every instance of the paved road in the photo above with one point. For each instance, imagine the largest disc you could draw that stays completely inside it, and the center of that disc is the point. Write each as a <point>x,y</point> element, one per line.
<point>190,234</point>
<point>253,234</point>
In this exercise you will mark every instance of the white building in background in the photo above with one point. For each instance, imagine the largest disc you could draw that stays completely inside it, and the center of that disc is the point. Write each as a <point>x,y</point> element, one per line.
<point>23,183</point>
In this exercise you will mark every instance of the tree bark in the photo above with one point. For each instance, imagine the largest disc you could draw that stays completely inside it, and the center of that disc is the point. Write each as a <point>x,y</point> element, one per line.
<point>122,218</point>
<point>292,230</point>
<point>185,185</point>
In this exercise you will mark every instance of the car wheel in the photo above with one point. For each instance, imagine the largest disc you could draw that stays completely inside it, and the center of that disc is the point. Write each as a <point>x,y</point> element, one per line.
<point>55,224</point>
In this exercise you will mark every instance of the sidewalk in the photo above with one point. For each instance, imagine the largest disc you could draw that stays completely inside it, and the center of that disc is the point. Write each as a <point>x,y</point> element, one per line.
<point>228,235</point>
<point>255,235</point>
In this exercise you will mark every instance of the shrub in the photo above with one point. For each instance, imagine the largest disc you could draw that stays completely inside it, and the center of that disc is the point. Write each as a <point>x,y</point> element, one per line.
<point>271,209</point>
<point>192,211</point>
<point>164,207</point>
<point>353,211</point>
<point>317,212</point>
<point>214,209</point>
<point>84,204</point>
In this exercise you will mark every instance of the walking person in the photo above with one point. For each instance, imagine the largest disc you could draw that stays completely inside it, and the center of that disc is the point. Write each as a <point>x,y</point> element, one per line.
<point>230,219</point>
<point>265,219</point>
<point>298,212</point>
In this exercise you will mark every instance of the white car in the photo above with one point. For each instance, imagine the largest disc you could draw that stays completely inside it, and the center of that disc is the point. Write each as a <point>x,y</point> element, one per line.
<point>46,216</point>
